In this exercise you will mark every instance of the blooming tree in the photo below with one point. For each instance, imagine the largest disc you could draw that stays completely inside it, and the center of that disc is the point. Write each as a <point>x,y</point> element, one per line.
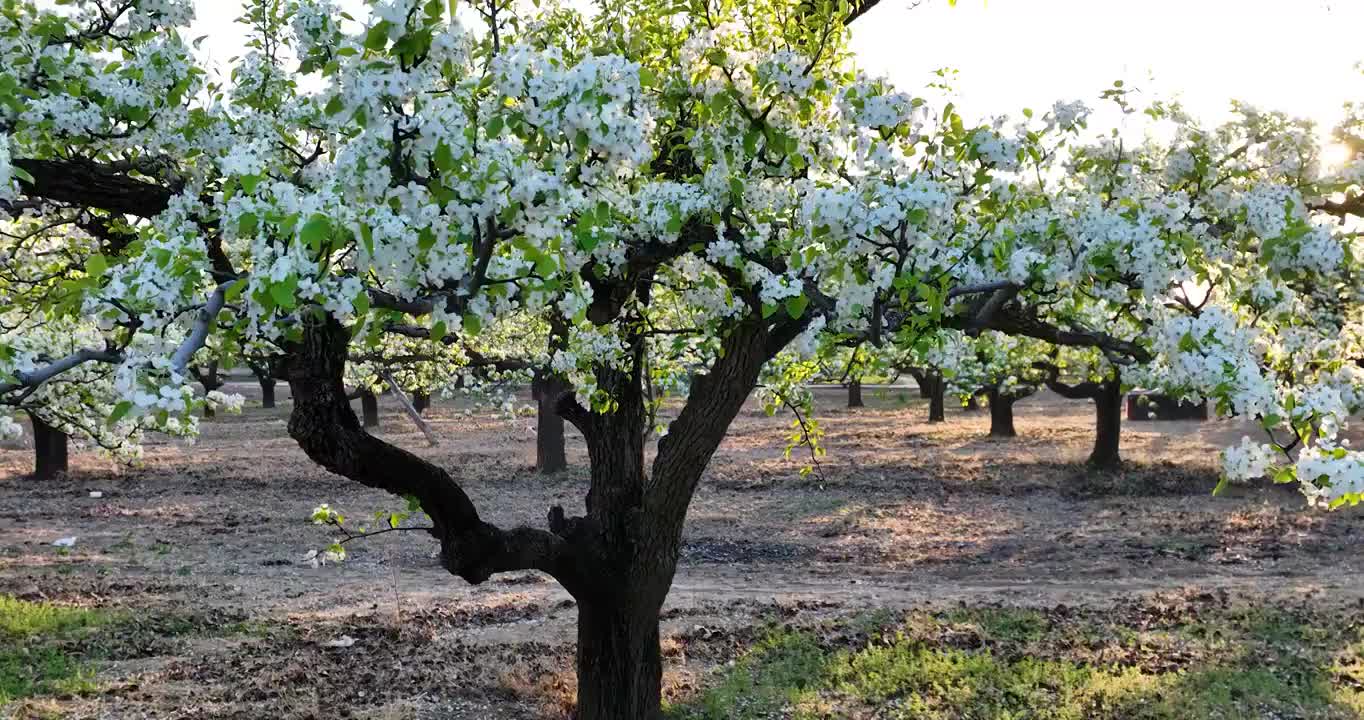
<point>696,188</point>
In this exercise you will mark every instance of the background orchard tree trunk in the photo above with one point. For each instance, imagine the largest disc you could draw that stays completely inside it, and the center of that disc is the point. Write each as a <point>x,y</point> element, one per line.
<point>936,399</point>
<point>369,408</point>
<point>550,453</point>
<point>49,449</point>
<point>421,400</point>
<point>1001,414</point>
<point>209,380</point>
<point>1108,424</point>
<point>267,391</point>
<point>972,404</point>
<point>855,393</point>
<point>921,378</point>
<point>1107,397</point>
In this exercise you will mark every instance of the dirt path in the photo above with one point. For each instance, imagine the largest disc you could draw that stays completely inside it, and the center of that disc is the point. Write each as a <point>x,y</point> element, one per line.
<point>901,514</point>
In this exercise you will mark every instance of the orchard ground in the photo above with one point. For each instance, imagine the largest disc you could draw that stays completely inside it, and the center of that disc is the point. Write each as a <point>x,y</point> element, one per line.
<point>922,571</point>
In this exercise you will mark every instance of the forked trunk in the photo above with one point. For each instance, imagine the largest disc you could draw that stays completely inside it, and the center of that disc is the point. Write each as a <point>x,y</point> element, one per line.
<point>369,409</point>
<point>855,394</point>
<point>936,403</point>
<point>1108,426</point>
<point>267,392</point>
<point>49,449</point>
<point>1001,415</point>
<point>620,668</point>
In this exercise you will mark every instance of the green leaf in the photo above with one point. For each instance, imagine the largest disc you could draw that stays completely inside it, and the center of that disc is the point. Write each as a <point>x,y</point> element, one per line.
<point>361,303</point>
<point>121,410</point>
<point>472,324</point>
<point>438,330</point>
<point>377,37</point>
<point>247,223</point>
<point>495,126</point>
<point>95,265</point>
<point>795,306</point>
<point>445,159</point>
<point>21,174</point>
<point>249,183</point>
<point>335,105</point>
<point>284,292</point>
<point>315,231</point>
<point>769,310</point>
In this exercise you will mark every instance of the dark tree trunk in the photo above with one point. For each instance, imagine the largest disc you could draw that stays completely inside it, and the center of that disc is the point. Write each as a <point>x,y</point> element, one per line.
<point>972,404</point>
<point>49,449</point>
<point>1108,425</point>
<point>421,401</point>
<point>369,408</point>
<point>923,380</point>
<point>1002,415</point>
<point>550,453</point>
<point>855,394</point>
<point>267,392</point>
<point>936,400</point>
<point>620,669</point>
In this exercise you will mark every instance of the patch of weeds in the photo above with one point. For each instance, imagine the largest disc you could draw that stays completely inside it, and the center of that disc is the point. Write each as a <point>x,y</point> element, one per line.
<point>1166,659</point>
<point>783,669</point>
<point>31,659</point>
<point>1002,624</point>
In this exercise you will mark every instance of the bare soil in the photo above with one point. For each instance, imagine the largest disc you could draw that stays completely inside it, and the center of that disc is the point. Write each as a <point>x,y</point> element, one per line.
<point>202,548</point>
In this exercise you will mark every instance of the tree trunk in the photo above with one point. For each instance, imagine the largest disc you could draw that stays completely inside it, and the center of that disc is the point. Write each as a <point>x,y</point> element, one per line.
<point>855,394</point>
<point>49,449</point>
<point>369,408</point>
<point>1108,422</point>
<point>921,379</point>
<point>1001,415</point>
<point>550,454</point>
<point>209,411</point>
<point>267,391</point>
<point>972,404</point>
<point>937,388</point>
<point>421,401</point>
<point>620,669</point>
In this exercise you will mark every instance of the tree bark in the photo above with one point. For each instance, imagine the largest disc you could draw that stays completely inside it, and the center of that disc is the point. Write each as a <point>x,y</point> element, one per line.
<point>620,668</point>
<point>936,399</point>
<point>369,408</point>
<point>1001,415</point>
<point>921,379</point>
<point>49,449</point>
<point>855,394</point>
<point>972,404</point>
<point>421,401</point>
<point>267,392</point>
<point>550,453</point>
<point>1108,425</point>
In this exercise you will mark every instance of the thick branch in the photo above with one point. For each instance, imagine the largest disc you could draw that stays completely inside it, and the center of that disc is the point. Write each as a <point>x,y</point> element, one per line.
<point>90,184</point>
<point>326,428</point>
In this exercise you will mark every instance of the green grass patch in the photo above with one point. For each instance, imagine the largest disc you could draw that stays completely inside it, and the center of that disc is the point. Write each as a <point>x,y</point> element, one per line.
<point>1208,661</point>
<point>33,657</point>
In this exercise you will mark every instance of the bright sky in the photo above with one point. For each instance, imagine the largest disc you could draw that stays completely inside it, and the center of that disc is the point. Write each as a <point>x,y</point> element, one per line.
<point>1294,55</point>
